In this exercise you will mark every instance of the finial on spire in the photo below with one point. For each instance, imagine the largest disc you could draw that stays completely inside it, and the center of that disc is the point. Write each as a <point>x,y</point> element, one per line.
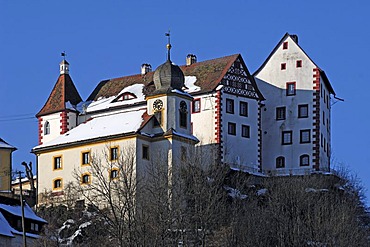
<point>63,54</point>
<point>168,46</point>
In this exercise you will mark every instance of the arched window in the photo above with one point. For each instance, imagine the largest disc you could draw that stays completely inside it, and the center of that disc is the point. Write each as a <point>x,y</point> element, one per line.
<point>47,128</point>
<point>280,162</point>
<point>304,160</point>
<point>183,114</point>
<point>85,178</point>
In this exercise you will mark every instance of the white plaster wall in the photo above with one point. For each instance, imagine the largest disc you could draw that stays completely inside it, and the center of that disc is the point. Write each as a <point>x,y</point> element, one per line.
<point>54,120</point>
<point>72,120</point>
<point>204,121</point>
<point>238,150</point>
<point>272,83</point>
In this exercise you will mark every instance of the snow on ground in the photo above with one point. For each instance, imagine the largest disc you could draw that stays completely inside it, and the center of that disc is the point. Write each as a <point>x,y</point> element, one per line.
<point>105,125</point>
<point>261,192</point>
<point>235,193</point>
<point>316,190</point>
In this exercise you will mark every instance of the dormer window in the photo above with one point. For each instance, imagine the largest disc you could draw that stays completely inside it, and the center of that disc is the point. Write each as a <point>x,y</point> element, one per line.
<point>125,96</point>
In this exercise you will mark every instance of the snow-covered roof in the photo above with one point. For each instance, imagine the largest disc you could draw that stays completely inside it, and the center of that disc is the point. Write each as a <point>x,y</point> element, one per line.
<point>5,228</point>
<point>105,103</point>
<point>101,126</point>
<point>16,210</point>
<point>4,144</point>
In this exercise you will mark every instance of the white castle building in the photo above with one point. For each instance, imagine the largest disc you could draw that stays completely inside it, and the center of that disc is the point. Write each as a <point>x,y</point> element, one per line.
<point>276,121</point>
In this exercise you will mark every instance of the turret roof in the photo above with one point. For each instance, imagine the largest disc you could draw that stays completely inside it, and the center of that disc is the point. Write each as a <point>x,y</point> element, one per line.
<point>64,91</point>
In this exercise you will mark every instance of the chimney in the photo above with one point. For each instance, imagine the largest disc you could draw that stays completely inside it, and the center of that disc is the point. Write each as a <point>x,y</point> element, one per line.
<point>294,37</point>
<point>191,59</point>
<point>145,68</point>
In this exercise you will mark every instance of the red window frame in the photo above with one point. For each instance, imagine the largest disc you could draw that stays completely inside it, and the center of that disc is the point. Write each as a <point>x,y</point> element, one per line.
<point>285,45</point>
<point>193,109</point>
<point>299,64</point>
<point>283,66</point>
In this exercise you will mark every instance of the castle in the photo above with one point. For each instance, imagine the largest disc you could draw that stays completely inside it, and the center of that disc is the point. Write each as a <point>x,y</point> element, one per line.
<point>273,122</point>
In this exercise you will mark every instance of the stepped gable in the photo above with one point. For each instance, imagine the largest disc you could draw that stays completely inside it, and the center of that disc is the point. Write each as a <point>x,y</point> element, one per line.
<point>209,74</point>
<point>63,91</point>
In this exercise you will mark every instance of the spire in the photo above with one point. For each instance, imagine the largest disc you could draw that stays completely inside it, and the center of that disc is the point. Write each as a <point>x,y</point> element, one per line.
<point>64,65</point>
<point>168,46</point>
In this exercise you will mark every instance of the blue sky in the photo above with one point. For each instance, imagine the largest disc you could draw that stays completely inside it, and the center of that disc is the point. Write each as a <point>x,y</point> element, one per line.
<point>107,39</point>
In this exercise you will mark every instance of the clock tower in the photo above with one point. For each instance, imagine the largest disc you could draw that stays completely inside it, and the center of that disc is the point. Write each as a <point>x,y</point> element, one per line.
<point>169,103</point>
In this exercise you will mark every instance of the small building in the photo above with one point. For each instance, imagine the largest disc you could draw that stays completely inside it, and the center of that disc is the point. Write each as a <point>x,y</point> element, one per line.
<point>6,151</point>
<point>11,233</point>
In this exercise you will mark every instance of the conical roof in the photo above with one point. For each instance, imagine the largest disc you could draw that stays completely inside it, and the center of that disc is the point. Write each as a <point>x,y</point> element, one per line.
<point>63,91</point>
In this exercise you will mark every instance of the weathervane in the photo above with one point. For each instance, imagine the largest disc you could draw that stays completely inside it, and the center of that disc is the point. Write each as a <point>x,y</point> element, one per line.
<point>168,45</point>
<point>63,54</point>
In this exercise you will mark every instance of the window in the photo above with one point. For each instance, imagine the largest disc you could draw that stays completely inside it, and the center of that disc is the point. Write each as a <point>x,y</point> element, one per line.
<point>302,111</point>
<point>324,144</point>
<point>85,179</point>
<point>85,158</point>
<point>243,109</point>
<point>287,137</point>
<point>280,113</point>
<point>285,45</point>
<point>183,114</point>
<point>322,140</point>
<point>230,106</point>
<point>47,128</point>
<point>290,88</point>
<point>157,120</point>
<point>184,153</point>
<point>327,101</point>
<point>34,227</point>
<point>231,128</point>
<point>196,106</point>
<point>283,66</point>
<point>280,162</point>
<point>113,153</point>
<point>323,117</point>
<point>145,152</point>
<point>57,163</point>
<point>57,183</point>
<point>246,131</point>
<point>299,64</point>
<point>113,173</point>
<point>305,136</point>
<point>304,160</point>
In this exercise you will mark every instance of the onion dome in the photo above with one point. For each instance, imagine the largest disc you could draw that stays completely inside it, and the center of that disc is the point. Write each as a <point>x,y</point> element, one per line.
<point>168,77</point>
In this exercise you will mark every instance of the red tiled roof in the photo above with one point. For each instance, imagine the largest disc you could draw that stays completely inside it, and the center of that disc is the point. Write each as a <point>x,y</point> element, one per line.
<point>208,73</point>
<point>63,91</point>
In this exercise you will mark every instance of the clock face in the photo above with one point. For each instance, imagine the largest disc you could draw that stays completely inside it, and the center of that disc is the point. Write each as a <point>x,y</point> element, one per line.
<point>158,105</point>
